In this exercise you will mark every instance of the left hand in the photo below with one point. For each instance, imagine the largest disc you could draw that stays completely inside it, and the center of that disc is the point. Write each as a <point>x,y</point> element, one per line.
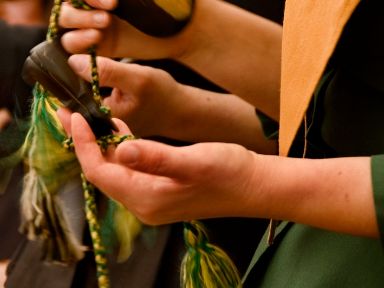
<point>163,184</point>
<point>141,96</point>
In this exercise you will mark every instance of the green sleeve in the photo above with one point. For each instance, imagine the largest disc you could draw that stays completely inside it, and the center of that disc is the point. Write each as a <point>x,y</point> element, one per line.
<point>270,126</point>
<point>377,168</point>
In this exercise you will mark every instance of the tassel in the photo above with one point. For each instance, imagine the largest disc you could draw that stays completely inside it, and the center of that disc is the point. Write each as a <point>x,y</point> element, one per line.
<point>205,265</point>
<point>120,228</point>
<point>127,228</point>
<point>49,167</point>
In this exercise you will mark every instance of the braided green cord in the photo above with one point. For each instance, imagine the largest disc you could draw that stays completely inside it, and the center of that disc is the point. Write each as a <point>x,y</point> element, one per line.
<point>205,265</point>
<point>96,83</point>
<point>95,76</point>
<point>112,139</point>
<point>89,191</point>
<point>54,20</point>
<point>94,229</point>
<point>91,210</point>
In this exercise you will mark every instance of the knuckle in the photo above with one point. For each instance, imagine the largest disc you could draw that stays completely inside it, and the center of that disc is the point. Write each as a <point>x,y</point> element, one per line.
<point>144,77</point>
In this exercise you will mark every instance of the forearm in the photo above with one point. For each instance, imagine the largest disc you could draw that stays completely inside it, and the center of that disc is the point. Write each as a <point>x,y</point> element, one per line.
<point>242,55</point>
<point>334,194</point>
<point>215,117</point>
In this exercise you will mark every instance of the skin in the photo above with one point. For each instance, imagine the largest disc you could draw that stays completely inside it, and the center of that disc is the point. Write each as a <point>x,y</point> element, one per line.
<point>3,267</point>
<point>196,46</point>
<point>163,184</point>
<point>152,103</point>
<point>23,12</point>
<point>5,118</point>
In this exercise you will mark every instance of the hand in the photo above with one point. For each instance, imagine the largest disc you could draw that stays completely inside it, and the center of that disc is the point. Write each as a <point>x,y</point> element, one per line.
<point>152,103</point>
<point>114,37</point>
<point>147,99</point>
<point>163,184</point>
<point>210,44</point>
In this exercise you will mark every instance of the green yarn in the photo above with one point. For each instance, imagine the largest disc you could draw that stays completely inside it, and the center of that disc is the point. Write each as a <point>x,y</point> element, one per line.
<point>119,229</point>
<point>205,265</point>
<point>95,232</point>
<point>49,167</point>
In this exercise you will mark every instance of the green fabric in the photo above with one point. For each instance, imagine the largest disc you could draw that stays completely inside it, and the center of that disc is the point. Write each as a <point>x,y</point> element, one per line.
<point>377,168</point>
<point>270,126</point>
<point>344,119</point>
<point>311,257</point>
<point>263,245</point>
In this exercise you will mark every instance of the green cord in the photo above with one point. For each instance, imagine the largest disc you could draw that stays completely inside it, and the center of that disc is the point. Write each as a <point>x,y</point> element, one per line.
<point>94,230</point>
<point>104,142</point>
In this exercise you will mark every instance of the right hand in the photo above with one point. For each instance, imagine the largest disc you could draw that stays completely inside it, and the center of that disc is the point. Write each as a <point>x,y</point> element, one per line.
<point>163,184</point>
<point>114,37</point>
<point>146,98</point>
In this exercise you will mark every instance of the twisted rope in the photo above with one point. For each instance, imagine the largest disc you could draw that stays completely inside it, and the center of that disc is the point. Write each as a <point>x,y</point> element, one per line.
<point>91,211</point>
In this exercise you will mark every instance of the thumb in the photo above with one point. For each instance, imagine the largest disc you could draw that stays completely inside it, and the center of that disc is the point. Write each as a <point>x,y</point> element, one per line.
<point>111,73</point>
<point>158,159</point>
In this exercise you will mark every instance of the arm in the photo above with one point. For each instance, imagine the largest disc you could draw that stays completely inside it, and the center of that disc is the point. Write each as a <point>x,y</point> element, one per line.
<point>154,104</point>
<point>236,49</point>
<point>163,184</point>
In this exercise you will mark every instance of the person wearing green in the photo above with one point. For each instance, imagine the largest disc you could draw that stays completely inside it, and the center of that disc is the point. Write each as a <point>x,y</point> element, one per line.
<point>331,87</point>
<point>168,247</point>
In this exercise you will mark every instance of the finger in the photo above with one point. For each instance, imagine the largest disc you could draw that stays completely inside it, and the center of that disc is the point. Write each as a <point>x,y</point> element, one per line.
<point>123,128</point>
<point>87,151</point>
<point>111,73</point>
<point>64,116</point>
<point>160,159</point>
<point>81,64</point>
<point>71,17</point>
<point>79,41</point>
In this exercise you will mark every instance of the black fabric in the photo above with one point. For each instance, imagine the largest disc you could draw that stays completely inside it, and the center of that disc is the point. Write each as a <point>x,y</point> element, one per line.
<point>344,118</point>
<point>16,41</point>
<point>345,113</point>
<point>270,126</point>
<point>355,96</point>
<point>10,214</point>
<point>157,22</point>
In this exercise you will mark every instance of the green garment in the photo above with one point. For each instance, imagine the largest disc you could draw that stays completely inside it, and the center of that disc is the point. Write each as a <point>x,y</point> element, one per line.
<point>345,119</point>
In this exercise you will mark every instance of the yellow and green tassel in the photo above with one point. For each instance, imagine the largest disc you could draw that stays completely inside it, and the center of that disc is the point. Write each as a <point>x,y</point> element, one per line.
<point>204,264</point>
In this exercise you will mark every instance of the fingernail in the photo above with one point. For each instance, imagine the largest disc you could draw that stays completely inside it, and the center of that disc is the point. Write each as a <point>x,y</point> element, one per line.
<point>100,19</point>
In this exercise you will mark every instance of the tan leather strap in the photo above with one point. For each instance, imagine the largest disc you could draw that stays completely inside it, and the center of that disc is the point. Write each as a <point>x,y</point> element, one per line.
<point>311,31</point>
